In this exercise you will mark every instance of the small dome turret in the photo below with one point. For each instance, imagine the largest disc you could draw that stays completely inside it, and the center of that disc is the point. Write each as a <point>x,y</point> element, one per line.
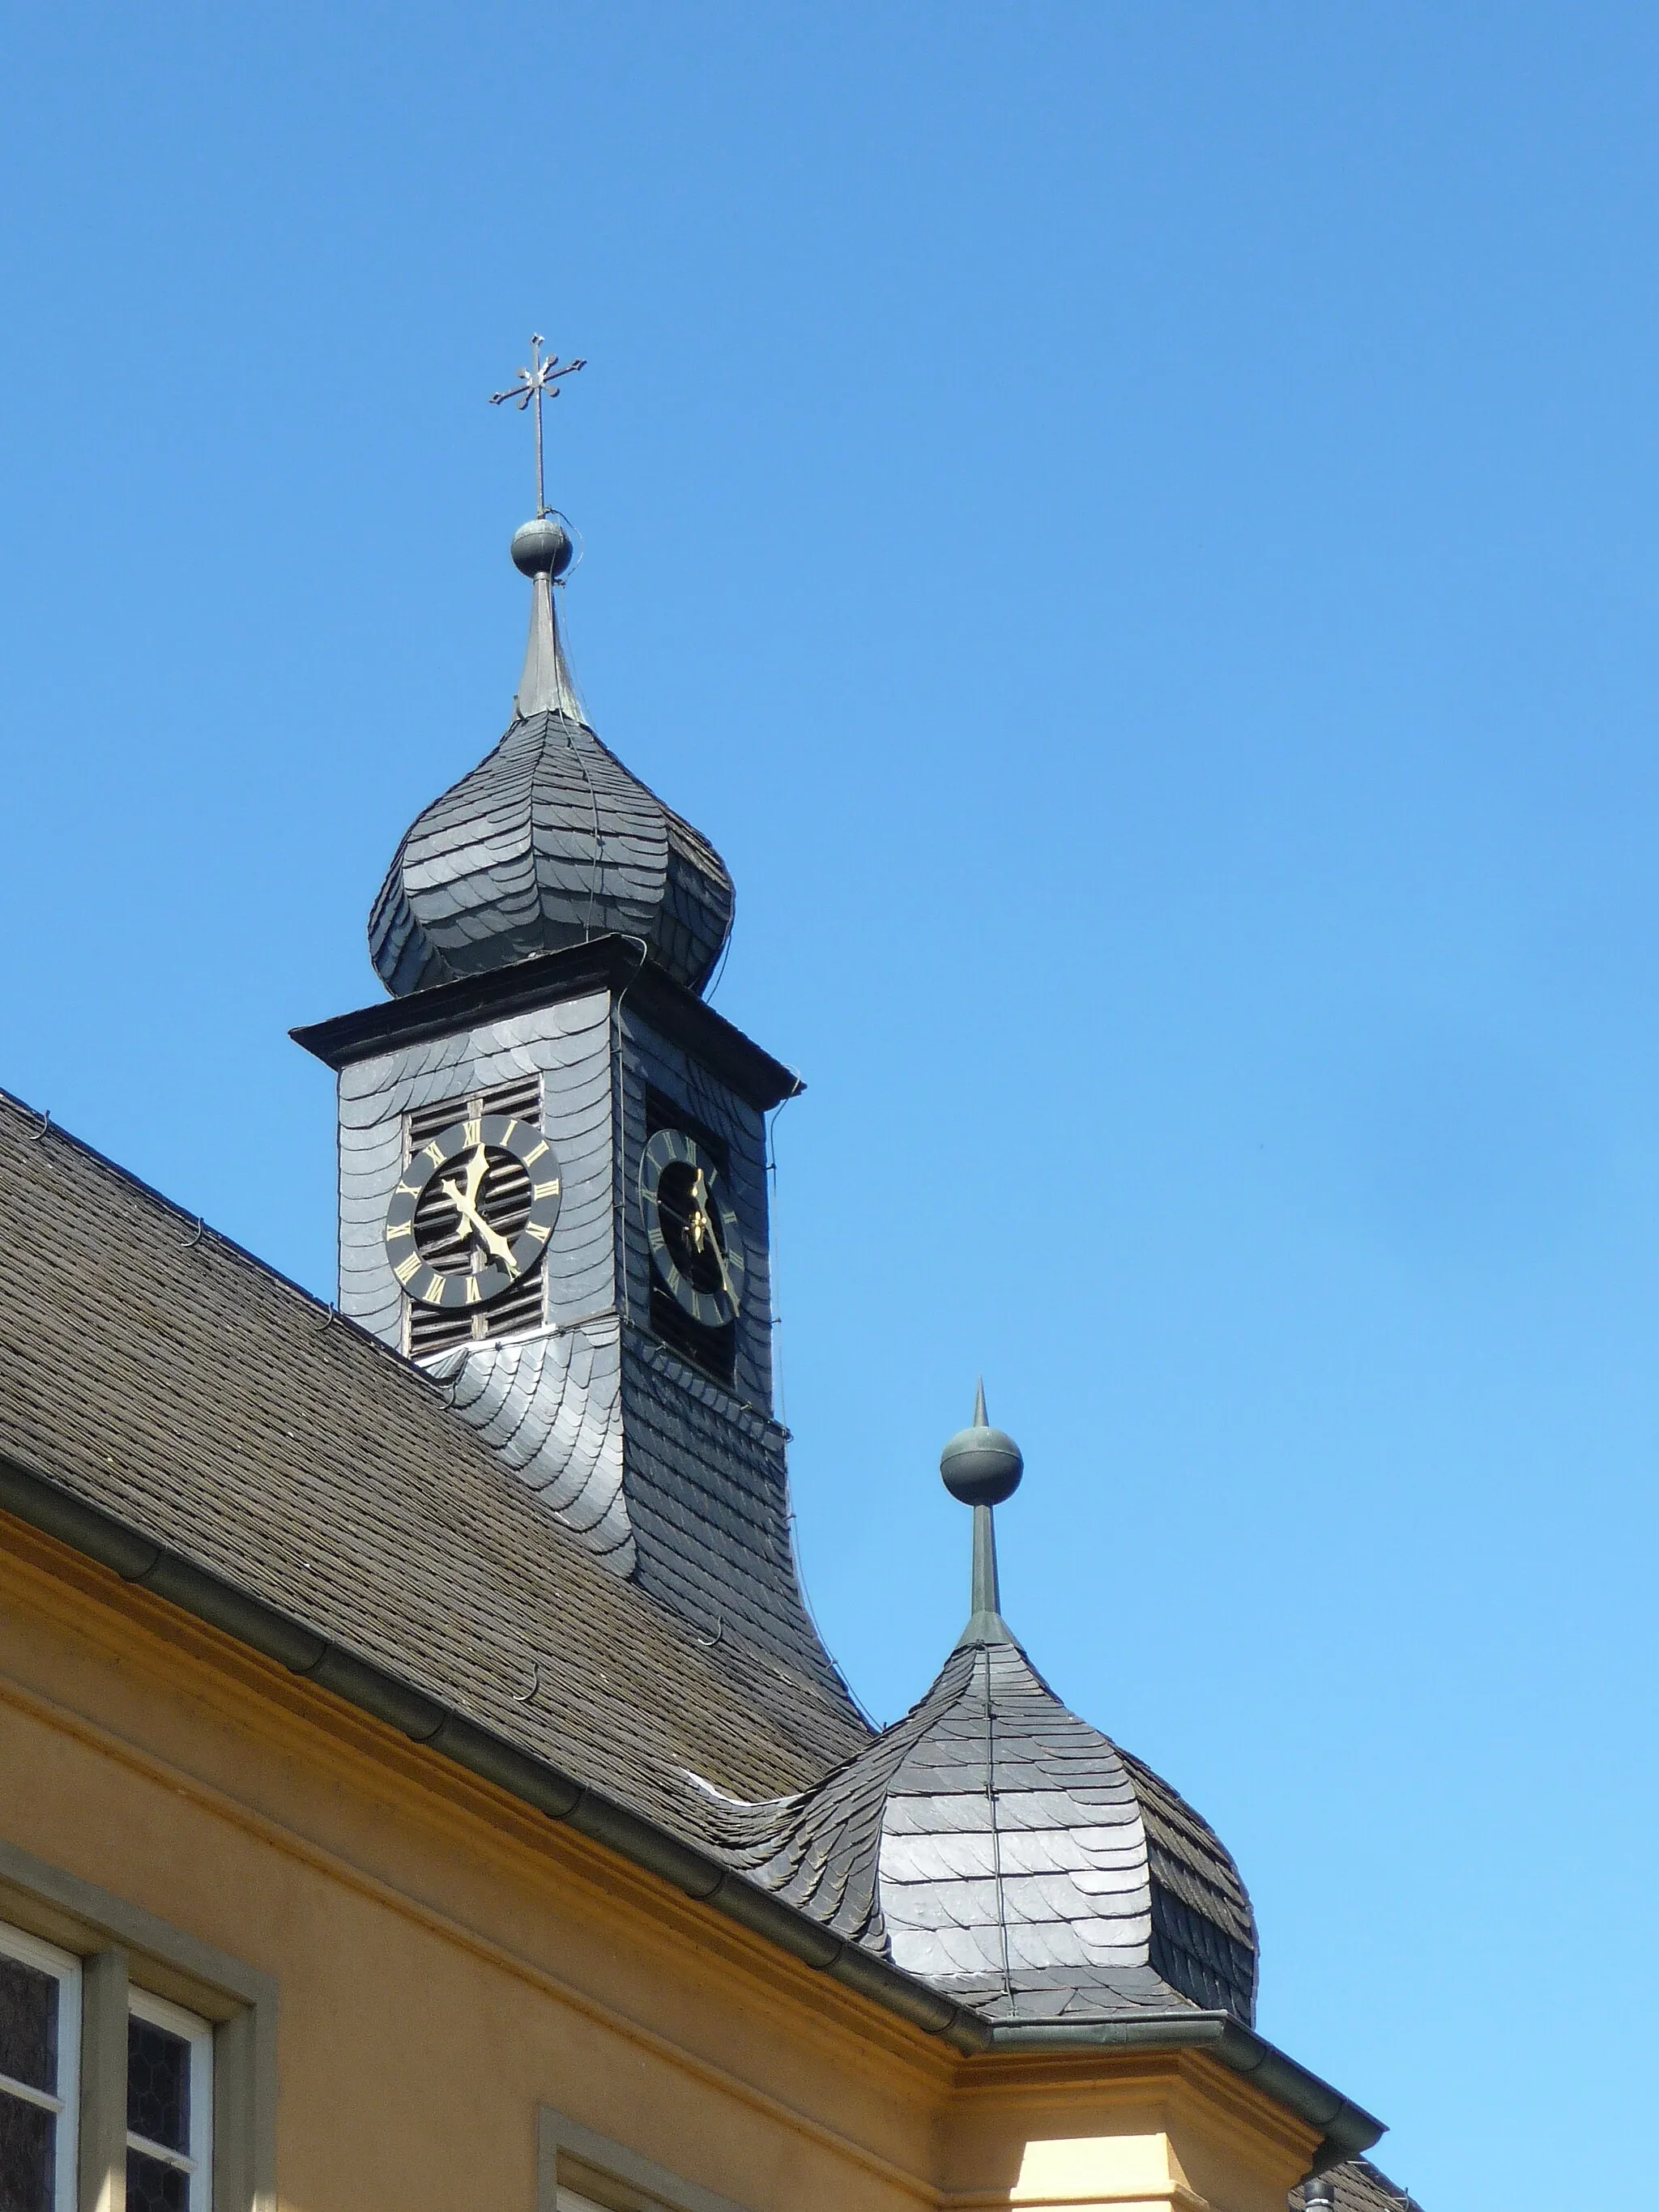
<point>997,1846</point>
<point>549,841</point>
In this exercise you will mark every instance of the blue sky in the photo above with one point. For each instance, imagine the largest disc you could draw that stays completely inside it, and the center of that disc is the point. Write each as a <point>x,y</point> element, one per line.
<point>1133,528</point>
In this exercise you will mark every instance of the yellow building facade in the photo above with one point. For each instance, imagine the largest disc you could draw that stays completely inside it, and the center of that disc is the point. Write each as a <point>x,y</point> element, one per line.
<point>433,1998</point>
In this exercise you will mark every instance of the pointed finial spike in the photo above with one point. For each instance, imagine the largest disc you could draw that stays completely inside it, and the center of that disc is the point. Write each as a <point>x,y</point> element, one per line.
<point>545,687</point>
<point>982,1466</point>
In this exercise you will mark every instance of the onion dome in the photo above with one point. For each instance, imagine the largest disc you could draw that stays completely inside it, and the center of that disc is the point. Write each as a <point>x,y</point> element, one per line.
<point>1000,1848</point>
<point>549,841</point>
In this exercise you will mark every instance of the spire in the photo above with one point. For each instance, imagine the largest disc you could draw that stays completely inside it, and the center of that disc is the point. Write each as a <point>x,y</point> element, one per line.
<point>541,551</point>
<point>549,842</point>
<point>982,1466</point>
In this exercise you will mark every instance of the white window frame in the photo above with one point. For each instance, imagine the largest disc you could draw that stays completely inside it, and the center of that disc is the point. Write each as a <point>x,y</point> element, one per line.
<point>120,1946</point>
<point>65,1970</point>
<point>197,2164</point>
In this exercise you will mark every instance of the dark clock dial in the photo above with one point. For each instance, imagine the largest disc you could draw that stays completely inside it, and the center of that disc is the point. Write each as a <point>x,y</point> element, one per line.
<point>696,1244</point>
<point>473,1213</point>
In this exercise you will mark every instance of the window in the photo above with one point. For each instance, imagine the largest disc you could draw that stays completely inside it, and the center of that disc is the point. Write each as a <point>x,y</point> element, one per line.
<point>133,2055</point>
<point>169,2107</point>
<point>39,2055</point>
<point>169,2089</point>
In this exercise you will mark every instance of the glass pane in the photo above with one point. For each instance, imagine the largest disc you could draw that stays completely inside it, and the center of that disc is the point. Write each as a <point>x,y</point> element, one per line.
<point>153,2187</point>
<point>158,2085</point>
<point>27,2140</point>
<point>28,2024</point>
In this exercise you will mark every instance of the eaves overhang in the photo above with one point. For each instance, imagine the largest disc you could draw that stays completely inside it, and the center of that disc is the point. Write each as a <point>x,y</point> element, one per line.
<point>1346,2128</point>
<point>610,964</point>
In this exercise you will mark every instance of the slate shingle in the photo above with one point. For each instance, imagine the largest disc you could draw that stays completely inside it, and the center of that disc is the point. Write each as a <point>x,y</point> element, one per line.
<point>1359,2186</point>
<point>997,1846</point>
<point>549,842</point>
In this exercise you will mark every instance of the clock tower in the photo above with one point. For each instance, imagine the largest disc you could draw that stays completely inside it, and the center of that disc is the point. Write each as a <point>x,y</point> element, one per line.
<point>553,1188</point>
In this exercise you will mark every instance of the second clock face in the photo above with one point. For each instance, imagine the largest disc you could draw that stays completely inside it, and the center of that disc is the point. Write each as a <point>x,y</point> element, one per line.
<point>473,1212</point>
<point>696,1244</point>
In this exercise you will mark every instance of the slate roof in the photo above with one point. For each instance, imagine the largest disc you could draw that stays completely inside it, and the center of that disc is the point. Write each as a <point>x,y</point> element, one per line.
<point>168,1378</point>
<point>547,843</point>
<point>1007,1852</point>
<point>163,1377</point>
<point>1359,2186</point>
<point>635,1461</point>
<point>550,1405</point>
<point>708,1487</point>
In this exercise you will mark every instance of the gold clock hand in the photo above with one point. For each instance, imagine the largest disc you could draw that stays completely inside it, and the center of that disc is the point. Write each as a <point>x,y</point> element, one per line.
<point>700,1227</point>
<point>706,1226</point>
<point>491,1238</point>
<point>477,1168</point>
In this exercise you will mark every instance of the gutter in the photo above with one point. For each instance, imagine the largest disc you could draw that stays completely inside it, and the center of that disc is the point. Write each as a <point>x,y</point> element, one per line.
<point>1347,2128</point>
<point>136,1558</point>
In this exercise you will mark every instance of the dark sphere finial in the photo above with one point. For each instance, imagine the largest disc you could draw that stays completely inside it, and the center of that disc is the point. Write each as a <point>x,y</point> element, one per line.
<point>981,1465</point>
<point>542,548</point>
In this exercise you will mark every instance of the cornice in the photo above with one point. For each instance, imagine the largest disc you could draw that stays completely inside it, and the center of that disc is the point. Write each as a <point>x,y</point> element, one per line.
<point>611,963</point>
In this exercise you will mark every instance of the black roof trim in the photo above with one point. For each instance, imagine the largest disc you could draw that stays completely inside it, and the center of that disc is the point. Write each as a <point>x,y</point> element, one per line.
<point>98,1536</point>
<point>616,963</point>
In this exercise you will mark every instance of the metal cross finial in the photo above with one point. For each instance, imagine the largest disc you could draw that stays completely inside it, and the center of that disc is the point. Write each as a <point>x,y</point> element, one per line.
<point>540,380</point>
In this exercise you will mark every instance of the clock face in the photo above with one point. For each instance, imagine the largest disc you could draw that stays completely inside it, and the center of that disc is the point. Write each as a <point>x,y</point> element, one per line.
<point>473,1213</point>
<point>696,1244</point>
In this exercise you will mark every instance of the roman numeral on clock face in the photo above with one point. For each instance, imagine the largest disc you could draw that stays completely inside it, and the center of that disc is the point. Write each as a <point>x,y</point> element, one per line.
<point>469,1219</point>
<point>696,1245</point>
